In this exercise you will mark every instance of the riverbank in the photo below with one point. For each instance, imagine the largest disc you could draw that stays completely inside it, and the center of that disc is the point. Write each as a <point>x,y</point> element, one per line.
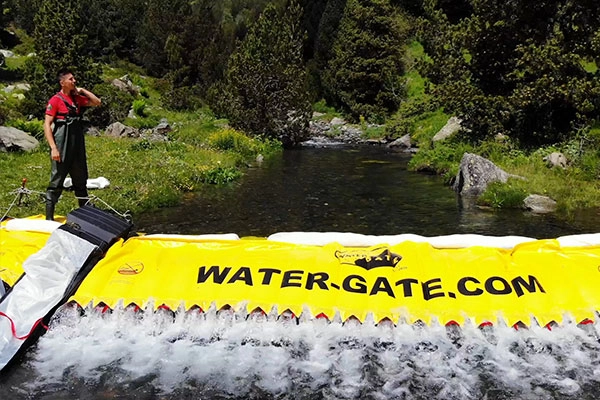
<point>199,149</point>
<point>143,174</point>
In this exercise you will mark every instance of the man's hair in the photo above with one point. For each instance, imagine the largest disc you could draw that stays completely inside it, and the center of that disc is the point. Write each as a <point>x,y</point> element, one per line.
<point>62,73</point>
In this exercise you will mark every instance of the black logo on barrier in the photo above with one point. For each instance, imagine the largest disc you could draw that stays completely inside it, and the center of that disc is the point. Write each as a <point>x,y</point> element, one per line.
<point>369,258</point>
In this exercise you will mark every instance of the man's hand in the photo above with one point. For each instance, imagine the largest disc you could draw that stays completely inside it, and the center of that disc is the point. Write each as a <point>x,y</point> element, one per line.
<point>94,101</point>
<point>55,154</point>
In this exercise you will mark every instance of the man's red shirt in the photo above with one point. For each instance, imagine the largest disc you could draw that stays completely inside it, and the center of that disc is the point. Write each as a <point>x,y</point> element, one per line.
<point>57,106</point>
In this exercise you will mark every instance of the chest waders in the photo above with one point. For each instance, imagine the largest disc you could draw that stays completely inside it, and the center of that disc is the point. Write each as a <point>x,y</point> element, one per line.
<point>70,142</point>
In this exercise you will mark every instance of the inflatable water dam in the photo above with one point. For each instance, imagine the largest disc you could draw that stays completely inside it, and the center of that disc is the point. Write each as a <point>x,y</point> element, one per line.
<point>93,261</point>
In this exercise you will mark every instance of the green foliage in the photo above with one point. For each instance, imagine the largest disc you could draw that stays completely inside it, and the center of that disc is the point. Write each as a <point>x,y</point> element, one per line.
<point>218,175</point>
<point>441,159</point>
<point>322,107</point>
<point>115,105</point>
<point>516,68</point>
<point>183,98</point>
<point>230,139</point>
<point>363,75</point>
<point>112,27</point>
<point>139,107</point>
<point>34,127</point>
<point>142,145</point>
<point>61,21</point>
<point>265,91</point>
<point>147,122</point>
<point>503,195</point>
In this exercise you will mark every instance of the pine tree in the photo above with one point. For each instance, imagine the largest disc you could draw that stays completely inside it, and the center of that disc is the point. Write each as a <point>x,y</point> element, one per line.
<point>363,73</point>
<point>60,43</point>
<point>266,85</point>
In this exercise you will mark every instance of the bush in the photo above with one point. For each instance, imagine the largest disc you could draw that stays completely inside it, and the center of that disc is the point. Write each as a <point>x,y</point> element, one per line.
<point>34,127</point>
<point>503,195</point>
<point>218,175</point>
<point>230,139</point>
<point>115,105</point>
<point>139,107</point>
<point>181,99</point>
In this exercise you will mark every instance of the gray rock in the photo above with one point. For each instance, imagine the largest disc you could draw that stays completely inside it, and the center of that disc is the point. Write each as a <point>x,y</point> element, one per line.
<point>556,160</point>
<point>117,129</point>
<point>163,127</point>
<point>452,127</point>
<point>401,143</point>
<point>124,83</point>
<point>93,131</point>
<point>475,173</point>
<point>13,139</point>
<point>337,122</point>
<point>539,204</point>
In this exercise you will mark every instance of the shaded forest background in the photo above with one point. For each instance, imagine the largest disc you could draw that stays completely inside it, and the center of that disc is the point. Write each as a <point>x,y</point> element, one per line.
<point>525,71</point>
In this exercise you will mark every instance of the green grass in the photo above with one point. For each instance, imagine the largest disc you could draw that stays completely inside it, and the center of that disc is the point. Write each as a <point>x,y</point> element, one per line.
<point>144,175</point>
<point>576,187</point>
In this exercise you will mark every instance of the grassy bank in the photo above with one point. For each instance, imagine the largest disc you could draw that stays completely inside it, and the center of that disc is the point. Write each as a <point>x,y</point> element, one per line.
<point>143,175</point>
<point>575,187</point>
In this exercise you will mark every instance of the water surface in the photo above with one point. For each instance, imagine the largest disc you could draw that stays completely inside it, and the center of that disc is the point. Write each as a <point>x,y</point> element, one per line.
<point>364,190</point>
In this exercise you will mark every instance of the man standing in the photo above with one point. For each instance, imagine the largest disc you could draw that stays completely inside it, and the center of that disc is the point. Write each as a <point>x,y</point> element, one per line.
<point>66,140</point>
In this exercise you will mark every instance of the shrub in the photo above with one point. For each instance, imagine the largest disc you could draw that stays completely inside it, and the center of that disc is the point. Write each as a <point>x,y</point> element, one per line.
<point>503,195</point>
<point>181,99</point>
<point>139,107</point>
<point>115,105</point>
<point>218,175</point>
<point>230,139</point>
<point>34,127</point>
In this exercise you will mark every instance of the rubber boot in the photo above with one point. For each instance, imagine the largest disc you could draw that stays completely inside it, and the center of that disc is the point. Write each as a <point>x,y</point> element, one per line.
<point>51,200</point>
<point>49,210</point>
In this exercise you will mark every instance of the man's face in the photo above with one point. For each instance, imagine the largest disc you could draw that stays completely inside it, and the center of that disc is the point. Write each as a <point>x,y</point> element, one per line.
<point>68,83</point>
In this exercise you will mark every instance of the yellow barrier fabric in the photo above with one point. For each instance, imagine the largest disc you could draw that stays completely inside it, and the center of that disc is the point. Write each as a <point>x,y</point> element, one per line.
<point>15,248</point>
<point>409,280</point>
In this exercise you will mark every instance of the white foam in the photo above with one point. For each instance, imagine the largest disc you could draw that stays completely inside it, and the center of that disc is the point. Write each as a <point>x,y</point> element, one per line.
<point>229,355</point>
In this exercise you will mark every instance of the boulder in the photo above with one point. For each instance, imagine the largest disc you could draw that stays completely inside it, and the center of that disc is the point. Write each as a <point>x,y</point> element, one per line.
<point>401,143</point>
<point>539,204</point>
<point>556,159</point>
<point>13,139</point>
<point>337,122</point>
<point>163,127</point>
<point>117,129</point>
<point>452,127</point>
<point>124,83</point>
<point>475,173</point>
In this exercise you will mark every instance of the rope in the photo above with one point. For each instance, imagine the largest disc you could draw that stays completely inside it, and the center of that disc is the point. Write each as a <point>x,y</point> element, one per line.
<point>13,328</point>
<point>19,193</point>
<point>93,198</point>
<point>23,191</point>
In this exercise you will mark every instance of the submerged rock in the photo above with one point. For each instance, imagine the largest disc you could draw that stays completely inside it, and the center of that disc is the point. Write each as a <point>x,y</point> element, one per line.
<point>539,204</point>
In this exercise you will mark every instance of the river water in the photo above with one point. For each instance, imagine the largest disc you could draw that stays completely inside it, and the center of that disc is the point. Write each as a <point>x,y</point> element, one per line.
<point>128,355</point>
<point>349,189</point>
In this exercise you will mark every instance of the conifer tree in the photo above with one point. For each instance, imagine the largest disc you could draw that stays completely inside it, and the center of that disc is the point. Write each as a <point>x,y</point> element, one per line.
<point>265,84</point>
<point>60,43</point>
<point>363,73</point>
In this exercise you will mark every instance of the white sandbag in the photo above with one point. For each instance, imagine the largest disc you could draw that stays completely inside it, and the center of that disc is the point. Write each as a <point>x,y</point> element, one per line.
<point>94,183</point>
